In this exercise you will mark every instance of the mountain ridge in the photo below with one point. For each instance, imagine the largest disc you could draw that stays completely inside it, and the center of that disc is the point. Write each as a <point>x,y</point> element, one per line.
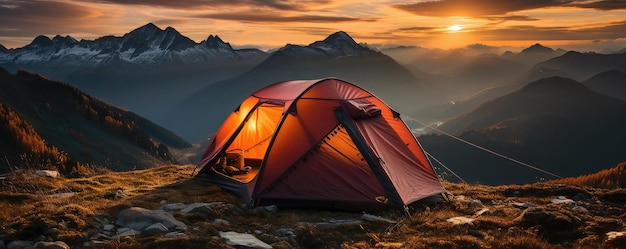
<point>555,123</point>
<point>82,128</point>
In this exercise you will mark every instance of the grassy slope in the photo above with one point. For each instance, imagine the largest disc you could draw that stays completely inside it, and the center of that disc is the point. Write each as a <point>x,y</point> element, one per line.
<point>29,211</point>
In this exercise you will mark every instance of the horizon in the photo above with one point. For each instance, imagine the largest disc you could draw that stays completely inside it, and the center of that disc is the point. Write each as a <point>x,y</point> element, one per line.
<point>596,26</point>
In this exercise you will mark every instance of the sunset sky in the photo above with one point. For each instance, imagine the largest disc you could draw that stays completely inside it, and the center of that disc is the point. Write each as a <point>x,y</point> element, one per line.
<point>570,24</point>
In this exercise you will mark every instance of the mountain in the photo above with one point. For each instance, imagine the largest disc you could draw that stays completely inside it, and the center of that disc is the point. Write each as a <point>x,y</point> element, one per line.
<point>45,119</point>
<point>3,49</point>
<point>534,54</point>
<point>556,123</point>
<point>161,66</point>
<point>336,56</point>
<point>612,83</point>
<point>466,72</point>
<point>582,66</point>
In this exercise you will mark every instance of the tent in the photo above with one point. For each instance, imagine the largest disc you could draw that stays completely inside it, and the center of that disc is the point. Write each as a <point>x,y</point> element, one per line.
<point>322,143</point>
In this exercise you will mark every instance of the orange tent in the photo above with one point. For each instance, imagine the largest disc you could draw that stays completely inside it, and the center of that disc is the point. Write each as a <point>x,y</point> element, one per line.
<point>319,143</point>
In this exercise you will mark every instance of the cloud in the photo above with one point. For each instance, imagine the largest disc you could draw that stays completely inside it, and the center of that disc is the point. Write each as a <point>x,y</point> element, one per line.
<point>219,4</point>
<point>486,8</point>
<point>613,30</point>
<point>418,29</point>
<point>476,8</point>
<point>602,5</point>
<point>501,19</point>
<point>256,17</point>
<point>28,18</point>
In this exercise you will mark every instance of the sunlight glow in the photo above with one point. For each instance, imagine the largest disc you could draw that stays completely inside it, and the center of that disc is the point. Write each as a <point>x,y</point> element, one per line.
<point>455,28</point>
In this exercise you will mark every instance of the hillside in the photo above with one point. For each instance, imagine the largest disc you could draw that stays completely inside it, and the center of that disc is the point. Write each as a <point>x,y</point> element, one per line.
<point>582,66</point>
<point>612,83</point>
<point>556,124</point>
<point>88,212</point>
<point>44,115</point>
<point>611,178</point>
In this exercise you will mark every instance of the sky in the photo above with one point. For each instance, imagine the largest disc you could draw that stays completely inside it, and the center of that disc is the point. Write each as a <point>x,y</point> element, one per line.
<point>583,25</point>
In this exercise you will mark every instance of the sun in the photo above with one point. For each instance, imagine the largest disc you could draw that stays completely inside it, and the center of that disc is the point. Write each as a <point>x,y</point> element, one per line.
<point>455,28</point>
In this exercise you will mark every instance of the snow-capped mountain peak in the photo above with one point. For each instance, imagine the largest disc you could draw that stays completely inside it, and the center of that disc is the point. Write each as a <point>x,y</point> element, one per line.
<point>144,46</point>
<point>341,44</point>
<point>215,42</point>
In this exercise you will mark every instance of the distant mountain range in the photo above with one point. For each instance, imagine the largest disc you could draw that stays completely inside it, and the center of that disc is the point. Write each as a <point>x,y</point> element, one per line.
<point>147,70</point>
<point>50,124</point>
<point>555,123</point>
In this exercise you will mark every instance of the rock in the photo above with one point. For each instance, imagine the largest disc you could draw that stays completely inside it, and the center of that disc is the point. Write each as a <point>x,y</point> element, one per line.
<point>285,233</point>
<point>174,235</point>
<point>205,208</point>
<point>271,208</point>
<point>51,245</point>
<point>20,244</point>
<point>221,222</point>
<point>243,239</point>
<point>173,207</point>
<point>476,204</point>
<point>580,209</point>
<point>562,200</point>
<point>460,220</point>
<point>108,227</point>
<point>523,205</point>
<point>162,202</point>
<point>370,217</point>
<point>125,232</point>
<point>140,218</point>
<point>156,228</point>
<point>47,173</point>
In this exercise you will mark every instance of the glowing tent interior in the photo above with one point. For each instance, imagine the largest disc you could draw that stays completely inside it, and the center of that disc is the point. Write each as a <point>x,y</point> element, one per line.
<point>319,143</point>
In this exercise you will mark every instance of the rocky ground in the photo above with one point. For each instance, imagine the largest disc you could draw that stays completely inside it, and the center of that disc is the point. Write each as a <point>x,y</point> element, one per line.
<point>165,207</point>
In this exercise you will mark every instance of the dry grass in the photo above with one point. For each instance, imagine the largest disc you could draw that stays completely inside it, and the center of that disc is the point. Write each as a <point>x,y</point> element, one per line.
<point>30,211</point>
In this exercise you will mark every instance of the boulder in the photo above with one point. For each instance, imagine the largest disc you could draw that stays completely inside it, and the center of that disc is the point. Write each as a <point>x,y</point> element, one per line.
<point>125,232</point>
<point>140,218</point>
<point>47,173</point>
<point>173,207</point>
<point>156,228</point>
<point>562,200</point>
<point>243,239</point>
<point>205,208</point>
